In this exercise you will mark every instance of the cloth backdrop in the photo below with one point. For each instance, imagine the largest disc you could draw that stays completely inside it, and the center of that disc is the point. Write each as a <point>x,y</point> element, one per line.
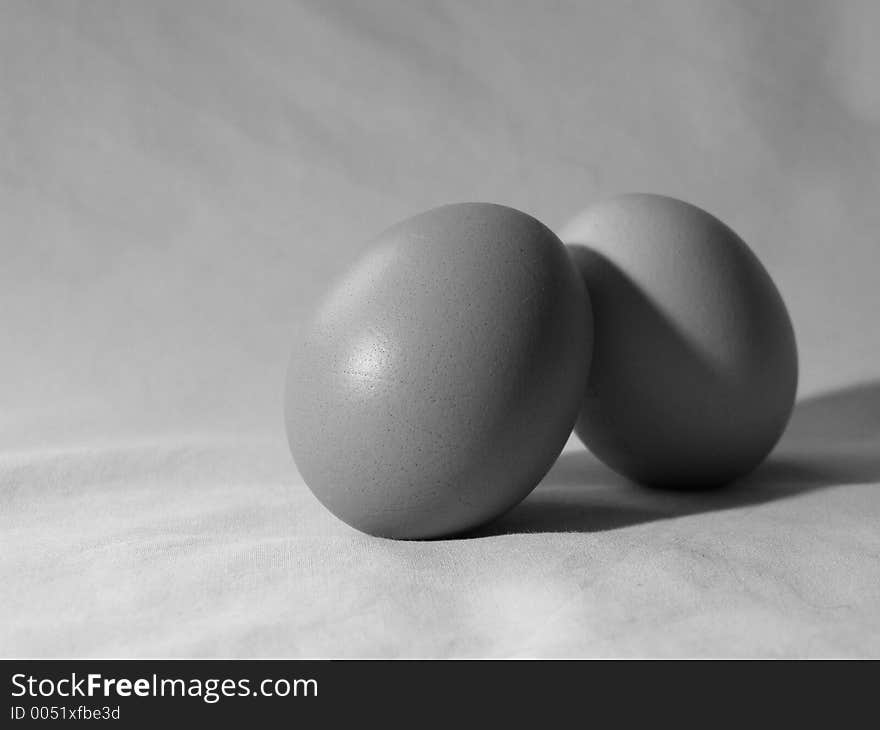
<point>180,180</point>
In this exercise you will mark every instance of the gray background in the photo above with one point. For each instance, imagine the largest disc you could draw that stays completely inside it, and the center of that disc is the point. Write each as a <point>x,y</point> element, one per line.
<point>179,180</point>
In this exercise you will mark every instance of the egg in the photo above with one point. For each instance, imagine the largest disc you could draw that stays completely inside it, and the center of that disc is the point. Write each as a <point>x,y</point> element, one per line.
<point>436,383</point>
<point>694,371</point>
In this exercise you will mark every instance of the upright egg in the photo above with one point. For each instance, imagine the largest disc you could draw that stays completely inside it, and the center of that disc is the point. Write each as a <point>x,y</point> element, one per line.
<point>694,370</point>
<point>434,386</point>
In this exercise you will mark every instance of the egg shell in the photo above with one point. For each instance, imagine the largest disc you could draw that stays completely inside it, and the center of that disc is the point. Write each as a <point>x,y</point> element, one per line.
<point>435,385</point>
<point>694,371</point>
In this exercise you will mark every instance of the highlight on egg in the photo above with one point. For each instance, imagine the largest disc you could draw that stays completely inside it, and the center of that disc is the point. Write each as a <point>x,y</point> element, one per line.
<point>695,369</point>
<point>432,388</point>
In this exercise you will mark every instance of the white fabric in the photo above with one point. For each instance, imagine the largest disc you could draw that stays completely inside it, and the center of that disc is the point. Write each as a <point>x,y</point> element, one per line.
<point>179,180</point>
<point>212,547</point>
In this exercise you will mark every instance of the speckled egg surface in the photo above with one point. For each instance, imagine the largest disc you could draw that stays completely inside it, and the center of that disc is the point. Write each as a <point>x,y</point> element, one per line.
<point>694,371</point>
<point>435,385</point>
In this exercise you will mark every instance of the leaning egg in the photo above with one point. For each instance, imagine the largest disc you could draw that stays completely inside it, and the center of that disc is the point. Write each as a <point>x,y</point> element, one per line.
<point>694,369</point>
<point>434,386</point>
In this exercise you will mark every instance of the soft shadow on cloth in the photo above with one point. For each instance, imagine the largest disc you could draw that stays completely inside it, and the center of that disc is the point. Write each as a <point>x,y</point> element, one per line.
<point>833,439</point>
